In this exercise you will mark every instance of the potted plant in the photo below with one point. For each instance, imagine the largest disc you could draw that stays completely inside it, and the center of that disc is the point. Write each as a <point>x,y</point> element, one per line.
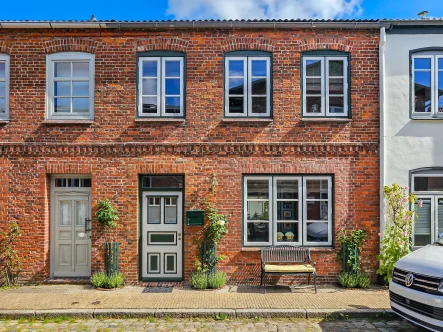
<point>106,215</point>
<point>289,236</point>
<point>279,236</point>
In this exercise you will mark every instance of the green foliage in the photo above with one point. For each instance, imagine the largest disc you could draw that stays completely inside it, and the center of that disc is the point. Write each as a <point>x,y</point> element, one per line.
<point>216,280</point>
<point>106,214</point>
<point>199,280</point>
<point>221,316</point>
<point>101,280</point>
<point>217,227</point>
<point>396,239</point>
<point>353,280</point>
<point>351,249</point>
<point>10,262</point>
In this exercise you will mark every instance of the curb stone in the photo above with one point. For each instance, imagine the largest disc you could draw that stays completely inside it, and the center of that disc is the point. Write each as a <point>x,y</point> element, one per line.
<point>347,313</point>
<point>271,313</point>
<point>75,313</point>
<point>193,313</point>
<point>16,314</point>
<point>124,313</point>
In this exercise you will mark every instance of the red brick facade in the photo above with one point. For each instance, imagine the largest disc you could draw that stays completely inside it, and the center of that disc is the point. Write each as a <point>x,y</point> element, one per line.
<point>115,149</point>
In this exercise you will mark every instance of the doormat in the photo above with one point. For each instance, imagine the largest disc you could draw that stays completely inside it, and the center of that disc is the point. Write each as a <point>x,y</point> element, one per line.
<point>157,289</point>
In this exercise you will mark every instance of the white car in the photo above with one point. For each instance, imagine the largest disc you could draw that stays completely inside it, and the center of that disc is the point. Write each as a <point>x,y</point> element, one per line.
<point>416,288</point>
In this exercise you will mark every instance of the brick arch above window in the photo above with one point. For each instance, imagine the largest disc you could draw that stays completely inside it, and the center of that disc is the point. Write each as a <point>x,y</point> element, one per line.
<point>70,45</point>
<point>161,44</point>
<point>5,47</point>
<point>335,44</point>
<point>247,44</point>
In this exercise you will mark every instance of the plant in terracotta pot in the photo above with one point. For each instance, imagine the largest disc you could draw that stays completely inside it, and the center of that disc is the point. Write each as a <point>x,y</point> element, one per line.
<point>279,236</point>
<point>106,215</point>
<point>289,236</point>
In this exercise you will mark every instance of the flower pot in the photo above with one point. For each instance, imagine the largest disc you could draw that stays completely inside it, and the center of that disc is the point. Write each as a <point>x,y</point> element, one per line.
<point>289,238</point>
<point>279,238</point>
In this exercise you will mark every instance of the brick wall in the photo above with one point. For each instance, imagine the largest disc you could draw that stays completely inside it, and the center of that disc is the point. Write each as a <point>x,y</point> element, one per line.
<point>115,149</point>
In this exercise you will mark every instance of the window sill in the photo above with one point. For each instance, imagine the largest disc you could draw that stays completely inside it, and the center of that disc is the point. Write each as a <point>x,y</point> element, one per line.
<point>432,118</point>
<point>160,120</point>
<point>68,121</point>
<point>307,119</point>
<point>312,249</point>
<point>4,121</point>
<point>265,120</point>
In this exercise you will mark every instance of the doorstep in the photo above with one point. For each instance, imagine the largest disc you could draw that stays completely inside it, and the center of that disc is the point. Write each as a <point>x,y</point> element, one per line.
<point>67,281</point>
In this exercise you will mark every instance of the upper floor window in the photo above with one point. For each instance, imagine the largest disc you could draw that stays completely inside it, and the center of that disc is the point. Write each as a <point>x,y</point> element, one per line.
<point>287,210</point>
<point>427,79</point>
<point>70,85</point>
<point>248,84</point>
<point>4,87</point>
<point>161,84</point>
<point>325,84</point>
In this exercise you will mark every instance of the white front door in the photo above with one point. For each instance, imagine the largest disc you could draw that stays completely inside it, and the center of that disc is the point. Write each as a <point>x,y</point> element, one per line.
<point>162,226</point>
<point>71,235</point>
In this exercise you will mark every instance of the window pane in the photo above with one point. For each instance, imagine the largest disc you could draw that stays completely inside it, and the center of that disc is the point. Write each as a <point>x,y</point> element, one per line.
<point>74,183</point>
<point>259,86</point>
<point>172,105</point>
<point>62,89</point>
<point>422,63</point>
<point>313,68</point>
<point>258,189</point>
<point>62,69</point>
<point>65,213</point>
<point>172,68</point>
<point>287,232</point>
<point>149,69</point>
<point>80,69</point>
<point>317,232</point>
<point>336,68</point>
<point>440,216</point>
<point>2,90</point>
<point>62,105</point>
<point>336,86</point>
<point>86,183</point>
<point>2,70</point>
<point>317,210</point>
<point>149,104</point>
<point>422,91</point>
<point>259,68</point>
<point>258,210</point>
<point>236,105</point>
<point>149,86</point>
<point>2,105</point>
<point>258,232</point>
<point>313,86</point>
<point>428,183</point>
<point>313,104</point>
<point>287,189</point>
<point>422,225</point>
<point>236,86</point>
<point>80,105</point>
<point>317,189</point>
<point>163,182</point>
<point>440,64</point>
<point>287,210</point>
<point>336,105</point>
<point>259,105</point>
<point>60,183</point>
<point>154,211</point>
<point>82,212</point>
<point>80,89</point>
<point>172,86</point>
<point>440,91</point>
<point>236,68</point>
<point>170,215</point>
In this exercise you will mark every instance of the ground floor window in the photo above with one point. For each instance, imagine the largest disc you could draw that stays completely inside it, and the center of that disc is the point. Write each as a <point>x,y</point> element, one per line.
<point>429,208</point>
<point>294,210</point>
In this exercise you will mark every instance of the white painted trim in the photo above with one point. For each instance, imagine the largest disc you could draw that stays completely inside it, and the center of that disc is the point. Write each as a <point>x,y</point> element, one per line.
<point>5,58</point>
<point>140,86</point>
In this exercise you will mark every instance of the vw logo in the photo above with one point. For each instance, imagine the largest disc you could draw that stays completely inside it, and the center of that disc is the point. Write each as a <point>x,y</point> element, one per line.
<point>409,280</point>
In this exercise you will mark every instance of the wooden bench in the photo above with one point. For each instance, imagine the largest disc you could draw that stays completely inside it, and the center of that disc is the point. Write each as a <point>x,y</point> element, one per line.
<point>287,254</point>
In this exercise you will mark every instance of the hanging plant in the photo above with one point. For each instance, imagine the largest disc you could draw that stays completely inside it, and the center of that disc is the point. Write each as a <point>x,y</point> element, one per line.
<point>106,214</point>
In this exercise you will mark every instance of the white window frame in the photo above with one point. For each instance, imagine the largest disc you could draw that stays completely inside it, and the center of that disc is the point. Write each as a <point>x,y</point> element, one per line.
<point>302,223</point>
<point>4,58</point>
<point>247,86</point>
<point>69,57</point>
<point>161,86</point>
<point>434,84</point>
<point>324,64</point>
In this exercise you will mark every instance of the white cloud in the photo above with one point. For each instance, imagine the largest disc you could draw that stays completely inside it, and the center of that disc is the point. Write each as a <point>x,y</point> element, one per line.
<point>263,9</point>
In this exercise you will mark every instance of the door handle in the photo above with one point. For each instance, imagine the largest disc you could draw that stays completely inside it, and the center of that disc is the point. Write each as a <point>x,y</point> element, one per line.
<point>87,221</point>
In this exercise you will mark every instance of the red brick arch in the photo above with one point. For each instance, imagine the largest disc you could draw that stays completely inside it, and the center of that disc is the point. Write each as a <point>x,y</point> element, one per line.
<point>70,45</point>
<point>252,44</point>
<point>161,44</point>
<point>336,44</point>
<point>5,47</point>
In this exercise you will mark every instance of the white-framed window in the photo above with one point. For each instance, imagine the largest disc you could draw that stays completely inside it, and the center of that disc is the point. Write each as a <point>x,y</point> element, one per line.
<point>325,86</point>
<point>70,85</point>
<point>428,187</point>
<point>287,210</point>
<point>427,84</point>
<point>161,86</point>
<point>247,86</point>
<point>4,87</point>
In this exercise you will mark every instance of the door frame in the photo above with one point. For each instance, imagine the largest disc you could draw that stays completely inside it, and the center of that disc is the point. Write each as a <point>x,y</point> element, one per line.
<point>141,190</point>
<point>53,193</point>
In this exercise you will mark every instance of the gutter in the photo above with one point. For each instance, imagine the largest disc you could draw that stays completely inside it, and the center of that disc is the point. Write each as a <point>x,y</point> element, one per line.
<point>192,25</point>
<point>421,22</point>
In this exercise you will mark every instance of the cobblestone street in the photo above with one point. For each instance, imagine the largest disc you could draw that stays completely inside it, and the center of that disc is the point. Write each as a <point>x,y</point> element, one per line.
<point>250,325</point>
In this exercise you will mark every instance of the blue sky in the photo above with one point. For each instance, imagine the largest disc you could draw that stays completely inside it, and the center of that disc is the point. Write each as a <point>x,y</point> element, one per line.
<point>192,9</point>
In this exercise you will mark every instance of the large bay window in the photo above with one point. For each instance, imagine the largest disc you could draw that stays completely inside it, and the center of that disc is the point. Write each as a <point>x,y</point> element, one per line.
<point>294,210</point>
